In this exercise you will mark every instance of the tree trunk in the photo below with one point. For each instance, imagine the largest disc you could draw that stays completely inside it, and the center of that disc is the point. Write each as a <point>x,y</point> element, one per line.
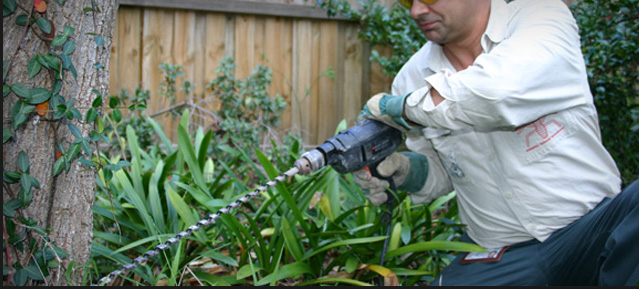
<point>62,203</point>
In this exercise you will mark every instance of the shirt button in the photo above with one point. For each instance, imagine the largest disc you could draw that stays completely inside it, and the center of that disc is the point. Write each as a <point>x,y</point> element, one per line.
<point>509,195</point>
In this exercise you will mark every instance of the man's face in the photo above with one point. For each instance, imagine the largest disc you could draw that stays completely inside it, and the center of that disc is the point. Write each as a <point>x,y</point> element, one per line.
<point>446,21</point>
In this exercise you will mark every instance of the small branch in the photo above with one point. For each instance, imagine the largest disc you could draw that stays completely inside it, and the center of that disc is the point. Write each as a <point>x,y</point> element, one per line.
<point>6,246</point>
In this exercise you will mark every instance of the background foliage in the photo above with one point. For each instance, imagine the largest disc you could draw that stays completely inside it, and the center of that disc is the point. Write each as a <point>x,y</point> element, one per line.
<point>610,43</point>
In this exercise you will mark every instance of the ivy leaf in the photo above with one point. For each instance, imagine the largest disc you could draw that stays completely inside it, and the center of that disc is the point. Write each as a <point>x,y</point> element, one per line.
<point>20,277</point>
<point>5,68</point>
<point>97,102</point>
<point>20,90</point>
<point>59,40</point>
<point>23,162</point>
<point>58,166</point>
<point>66,61</point>
<point>52,61</point>
<point>21,20</point>
<point>8,208</point>
<point>7,134</point>
<point>68,30</point>
<point>99,41</point>
<point>33,67</point>
<point>39,95</point>
<point>44,24</point>
<point>5,90</point>
<point>113,102</point>
<point>57,86</point>
<point>69,47</point>
<point>25,183</point>
<point>91,115</point>
<point>75,131</point>
<point>117,115</point>
<point>8,7</point>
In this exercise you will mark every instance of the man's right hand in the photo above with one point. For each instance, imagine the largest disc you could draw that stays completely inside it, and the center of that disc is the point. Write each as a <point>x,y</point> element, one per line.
<point>396,165</point>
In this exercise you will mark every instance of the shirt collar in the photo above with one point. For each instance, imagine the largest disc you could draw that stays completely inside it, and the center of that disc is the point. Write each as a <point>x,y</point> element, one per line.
<point>497,21</point>
<point>495,33</point>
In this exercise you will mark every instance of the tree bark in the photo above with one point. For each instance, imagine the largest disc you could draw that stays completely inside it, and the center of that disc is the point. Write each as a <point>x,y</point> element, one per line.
<point>62,203</point>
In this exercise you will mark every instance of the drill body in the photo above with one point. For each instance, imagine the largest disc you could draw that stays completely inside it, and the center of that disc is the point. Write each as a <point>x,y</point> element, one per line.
<point>363,145</point>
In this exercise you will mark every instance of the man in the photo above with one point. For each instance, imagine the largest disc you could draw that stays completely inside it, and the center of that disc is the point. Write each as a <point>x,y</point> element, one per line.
<point>497,107</point>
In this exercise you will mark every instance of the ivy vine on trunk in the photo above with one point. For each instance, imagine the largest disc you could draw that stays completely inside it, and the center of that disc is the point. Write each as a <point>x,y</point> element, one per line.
<point>55,69</point>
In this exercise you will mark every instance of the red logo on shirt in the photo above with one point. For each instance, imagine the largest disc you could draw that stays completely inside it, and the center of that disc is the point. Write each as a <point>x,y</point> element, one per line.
<point>541,132</point>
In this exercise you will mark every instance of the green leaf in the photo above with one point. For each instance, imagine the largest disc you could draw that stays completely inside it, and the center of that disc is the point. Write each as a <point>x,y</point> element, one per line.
<point>97,102</point>
<point>59,40</point>
<point>23,162</point>
<point>21,20</point>
<point>288,270</point>
<point>38,95</point>
<point>68,30</point>
<point>44,24</point>
<point>21,277</point>
<point>20,90</point>
<point>99,41</point>
<point>331,245</point>
<point>5,90</point>
<point>187,150</point>
<point>8,7</point>
<point>351,264</point>
<point>292,243</point>
<point>335,280</point>
<point>68,47</point>
<point>185,212</point>
<point>247,270</point>
<point>33,272</point>
<point>220,257</point>
<point>66,61</point>
<point>91,115</point>
<point>58,166</point>
<point>7,134</point>
<point>406,234</point>
<point>75,131</point>
<point>33,67</point>
<point>117,115</point>
<point>9,207</point>
<point>155,203</point>
<point>435,245</point>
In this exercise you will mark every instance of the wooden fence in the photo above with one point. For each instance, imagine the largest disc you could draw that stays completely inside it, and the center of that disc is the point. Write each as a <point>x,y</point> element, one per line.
<point>298,43</point>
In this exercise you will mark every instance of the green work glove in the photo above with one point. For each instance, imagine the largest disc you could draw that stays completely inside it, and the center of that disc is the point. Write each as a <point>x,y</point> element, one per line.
<point>408,170</point>
<point>387,109</point>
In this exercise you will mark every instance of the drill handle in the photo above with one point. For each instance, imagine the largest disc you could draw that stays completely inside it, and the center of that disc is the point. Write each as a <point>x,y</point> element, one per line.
<point>390,191</point>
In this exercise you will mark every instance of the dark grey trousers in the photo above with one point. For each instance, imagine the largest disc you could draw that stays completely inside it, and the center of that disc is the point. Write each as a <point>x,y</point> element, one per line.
<point>600,248</point>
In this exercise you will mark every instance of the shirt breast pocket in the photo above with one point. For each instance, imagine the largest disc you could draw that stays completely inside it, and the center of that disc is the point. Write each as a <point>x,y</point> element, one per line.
<point>451,153</point>
<point>533,141</point>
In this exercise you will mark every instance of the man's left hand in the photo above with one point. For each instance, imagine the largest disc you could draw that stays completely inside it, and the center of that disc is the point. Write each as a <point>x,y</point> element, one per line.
<point>387,109</point>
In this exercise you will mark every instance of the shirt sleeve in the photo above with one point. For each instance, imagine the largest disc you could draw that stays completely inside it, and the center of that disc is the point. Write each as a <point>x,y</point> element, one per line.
<point>536,70</point>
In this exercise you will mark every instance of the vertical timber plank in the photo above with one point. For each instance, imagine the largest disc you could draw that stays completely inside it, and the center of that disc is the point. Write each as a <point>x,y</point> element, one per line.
<point>313,108</point>
<point>328,117</point>
<point>352,100</point>
<point>126,51</point>
<point>244,45</point>
<point>157,43</point>
<point>278,57</point>
<point>301,80</point>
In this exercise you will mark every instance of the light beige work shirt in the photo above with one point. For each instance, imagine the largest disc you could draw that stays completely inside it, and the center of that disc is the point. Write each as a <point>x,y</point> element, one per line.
<point>517,135</point>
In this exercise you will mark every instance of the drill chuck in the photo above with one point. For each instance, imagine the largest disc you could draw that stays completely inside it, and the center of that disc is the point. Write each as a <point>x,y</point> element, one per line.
<point>362,145</point>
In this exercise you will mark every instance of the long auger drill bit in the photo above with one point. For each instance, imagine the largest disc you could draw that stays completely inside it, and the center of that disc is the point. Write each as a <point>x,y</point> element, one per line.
<point>141,260</point>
